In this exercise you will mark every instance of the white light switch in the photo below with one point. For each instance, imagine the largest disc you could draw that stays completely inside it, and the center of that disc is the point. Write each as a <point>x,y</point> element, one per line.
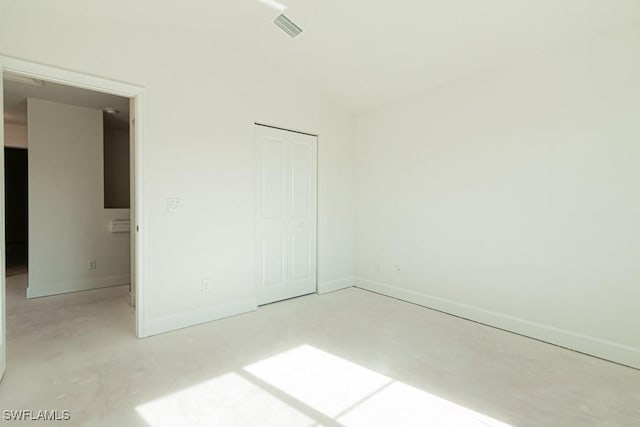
<point>175,205</point>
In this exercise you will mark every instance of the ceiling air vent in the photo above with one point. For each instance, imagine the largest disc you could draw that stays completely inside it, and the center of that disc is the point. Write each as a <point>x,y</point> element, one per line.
<point>287,26</point>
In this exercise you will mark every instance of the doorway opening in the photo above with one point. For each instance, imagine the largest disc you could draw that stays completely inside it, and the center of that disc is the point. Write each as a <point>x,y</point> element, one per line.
<point>16,206</point>
<point>73,134</point>
<point>67,189</point>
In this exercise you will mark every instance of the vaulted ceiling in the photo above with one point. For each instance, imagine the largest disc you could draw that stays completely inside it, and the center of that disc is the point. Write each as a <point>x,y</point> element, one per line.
<point>366,53</point>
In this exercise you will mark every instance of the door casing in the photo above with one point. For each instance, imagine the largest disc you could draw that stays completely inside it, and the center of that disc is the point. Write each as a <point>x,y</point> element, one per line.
<point>136,93</point>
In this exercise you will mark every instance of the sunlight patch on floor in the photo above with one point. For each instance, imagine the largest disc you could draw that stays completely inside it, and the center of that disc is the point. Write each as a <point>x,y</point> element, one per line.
<point>356,396</point>
<point>303,387</point>
<point>402,405</point>
<point>325,382</point>
<point>228,400</point>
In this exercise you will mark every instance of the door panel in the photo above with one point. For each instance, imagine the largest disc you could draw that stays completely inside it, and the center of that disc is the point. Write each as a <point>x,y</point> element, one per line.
<point>273,178</point>
<point>300,256</point>
<point>300,171</point>
<point>302,220</point>
<point>286,214</point>
<point>272,227</point>
<point>273,259</point>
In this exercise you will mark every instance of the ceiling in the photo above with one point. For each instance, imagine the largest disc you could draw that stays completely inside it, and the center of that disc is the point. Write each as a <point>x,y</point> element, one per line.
<point>15,96</point>
<point>366,53</point>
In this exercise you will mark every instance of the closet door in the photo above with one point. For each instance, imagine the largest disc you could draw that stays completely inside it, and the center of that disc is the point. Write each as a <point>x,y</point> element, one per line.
<point>286,216</point>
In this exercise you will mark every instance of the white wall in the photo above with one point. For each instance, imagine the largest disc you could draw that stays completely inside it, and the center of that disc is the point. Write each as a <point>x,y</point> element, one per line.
<point>68,225</point>
<point>512,198</point>
<point>15,135</point>
<point>203,94</point>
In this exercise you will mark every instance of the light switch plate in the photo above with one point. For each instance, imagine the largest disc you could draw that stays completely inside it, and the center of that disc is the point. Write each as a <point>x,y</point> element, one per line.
<point>175,205</point>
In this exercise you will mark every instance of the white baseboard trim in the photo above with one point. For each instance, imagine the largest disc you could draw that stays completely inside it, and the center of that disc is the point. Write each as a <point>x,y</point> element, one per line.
<point>335,285</point>
<point>604,349</point>
<point>76,286</point>
<point>196,317</point>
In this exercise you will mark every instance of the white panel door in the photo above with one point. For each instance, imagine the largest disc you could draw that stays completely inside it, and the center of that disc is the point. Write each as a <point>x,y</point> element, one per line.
<point>286,214</point>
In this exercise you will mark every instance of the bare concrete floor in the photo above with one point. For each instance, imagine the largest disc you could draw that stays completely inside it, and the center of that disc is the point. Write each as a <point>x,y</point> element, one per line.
<point>349,358</point>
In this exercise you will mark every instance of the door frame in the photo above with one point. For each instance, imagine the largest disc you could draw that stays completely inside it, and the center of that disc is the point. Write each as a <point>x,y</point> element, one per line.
<point>100,84</point>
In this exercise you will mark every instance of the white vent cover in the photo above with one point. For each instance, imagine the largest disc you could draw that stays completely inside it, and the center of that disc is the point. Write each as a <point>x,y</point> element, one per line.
<point>287,26</point>
<point>120,226</point>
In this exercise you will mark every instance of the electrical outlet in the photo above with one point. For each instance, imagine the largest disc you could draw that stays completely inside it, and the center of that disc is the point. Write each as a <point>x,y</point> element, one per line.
<point>397,268</point>
<point>206,285</point>
<point>92,265</point>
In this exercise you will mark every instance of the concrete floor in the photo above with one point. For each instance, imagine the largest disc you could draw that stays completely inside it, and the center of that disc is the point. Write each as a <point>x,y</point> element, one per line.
<point>348,358</point>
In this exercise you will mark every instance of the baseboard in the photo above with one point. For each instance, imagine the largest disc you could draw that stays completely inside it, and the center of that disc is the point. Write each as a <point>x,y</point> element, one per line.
<point>76,286</point>
<point>197,317</point>
<point>335,285</point>
<point>604,349</point>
